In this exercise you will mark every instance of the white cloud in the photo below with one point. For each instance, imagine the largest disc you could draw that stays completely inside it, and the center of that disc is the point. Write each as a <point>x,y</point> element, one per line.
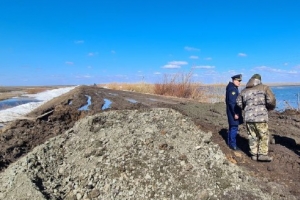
<point>285,64</point>
<point>79,41</point>
<point>178,63</point>
<point>204,67</point>
<point>187,48</point>
<point>232,72</point>
<point>171,66</point>
<point>157,73</point>
<point>274,70</point>
<point>174,64</point>
<point>92,53</point>
<point>208,58</point>
<point>242,54</point>
<point>194,57</point>
<point>69,63</point>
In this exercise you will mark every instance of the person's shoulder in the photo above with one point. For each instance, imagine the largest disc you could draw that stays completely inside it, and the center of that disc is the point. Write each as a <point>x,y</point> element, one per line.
<point>229,89</point>
<point>244,90</point>
<point>264,87</point>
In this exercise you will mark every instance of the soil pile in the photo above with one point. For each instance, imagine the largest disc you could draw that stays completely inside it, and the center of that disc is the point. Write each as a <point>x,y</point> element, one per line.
<point>130,155</point>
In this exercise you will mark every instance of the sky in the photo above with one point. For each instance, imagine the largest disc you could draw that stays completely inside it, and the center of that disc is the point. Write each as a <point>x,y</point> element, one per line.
<point>53,42</point>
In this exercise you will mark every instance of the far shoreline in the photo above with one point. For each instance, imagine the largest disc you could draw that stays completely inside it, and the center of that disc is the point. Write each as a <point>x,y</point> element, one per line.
<point>243,84</point>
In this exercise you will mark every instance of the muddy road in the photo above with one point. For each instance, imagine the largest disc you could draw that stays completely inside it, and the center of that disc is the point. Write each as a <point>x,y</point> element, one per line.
<point>54,117</point>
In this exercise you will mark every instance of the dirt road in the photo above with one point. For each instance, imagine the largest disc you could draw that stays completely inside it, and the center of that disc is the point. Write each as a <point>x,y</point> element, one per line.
<point>60,114</point>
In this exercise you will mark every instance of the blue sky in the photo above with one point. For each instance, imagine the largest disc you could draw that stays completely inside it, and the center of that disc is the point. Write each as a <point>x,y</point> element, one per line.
<point>52,42</point>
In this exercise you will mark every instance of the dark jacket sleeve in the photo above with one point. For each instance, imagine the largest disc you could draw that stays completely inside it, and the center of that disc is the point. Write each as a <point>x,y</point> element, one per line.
<point>231,100</point>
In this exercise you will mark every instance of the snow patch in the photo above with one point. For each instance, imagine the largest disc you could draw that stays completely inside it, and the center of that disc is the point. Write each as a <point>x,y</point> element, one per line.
<point>14,113</point>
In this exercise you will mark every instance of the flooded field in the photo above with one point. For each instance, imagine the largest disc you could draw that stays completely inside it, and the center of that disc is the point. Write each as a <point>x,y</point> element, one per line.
<point>12,102</point>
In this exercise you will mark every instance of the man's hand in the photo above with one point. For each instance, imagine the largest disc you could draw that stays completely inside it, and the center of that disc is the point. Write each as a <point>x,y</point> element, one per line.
<point>236,116</point>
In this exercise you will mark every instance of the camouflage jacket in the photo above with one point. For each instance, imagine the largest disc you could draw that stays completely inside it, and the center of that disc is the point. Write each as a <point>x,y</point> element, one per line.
<point>256,99</point>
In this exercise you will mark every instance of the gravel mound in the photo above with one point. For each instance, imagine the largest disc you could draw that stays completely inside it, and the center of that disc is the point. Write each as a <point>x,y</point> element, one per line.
<point>149,154</point>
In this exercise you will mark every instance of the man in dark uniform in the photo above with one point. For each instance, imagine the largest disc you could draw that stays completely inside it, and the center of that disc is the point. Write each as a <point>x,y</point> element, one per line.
<point>234,113</point>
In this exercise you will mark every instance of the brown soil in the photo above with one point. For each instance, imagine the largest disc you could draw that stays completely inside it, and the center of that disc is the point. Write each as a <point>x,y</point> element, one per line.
<point>53,118</point>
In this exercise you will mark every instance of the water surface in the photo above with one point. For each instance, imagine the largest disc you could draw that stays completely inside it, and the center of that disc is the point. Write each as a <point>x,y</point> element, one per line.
<point>86,107</point>
<point>9,103</point>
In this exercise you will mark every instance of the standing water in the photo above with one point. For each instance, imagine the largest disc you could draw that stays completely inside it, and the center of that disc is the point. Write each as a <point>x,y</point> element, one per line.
<point>9,103</point>
<point>287,97</point>
<point>86,106</point>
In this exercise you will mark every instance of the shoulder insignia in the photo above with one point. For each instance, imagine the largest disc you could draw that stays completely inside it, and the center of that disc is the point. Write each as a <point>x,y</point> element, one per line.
<point>233,93</point>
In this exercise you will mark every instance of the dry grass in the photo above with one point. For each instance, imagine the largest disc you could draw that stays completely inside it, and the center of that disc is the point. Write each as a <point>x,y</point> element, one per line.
<point>177,85</point>
<point>134,87</point>
<point>35,90</point>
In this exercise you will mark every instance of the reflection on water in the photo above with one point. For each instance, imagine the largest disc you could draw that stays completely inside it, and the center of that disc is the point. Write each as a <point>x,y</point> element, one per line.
<point>9,103</point>
<point>107,104</point>
<point>86,107</point>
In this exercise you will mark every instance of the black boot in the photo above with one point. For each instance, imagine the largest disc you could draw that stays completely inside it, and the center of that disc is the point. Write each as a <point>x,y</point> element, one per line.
<point>265,158</point>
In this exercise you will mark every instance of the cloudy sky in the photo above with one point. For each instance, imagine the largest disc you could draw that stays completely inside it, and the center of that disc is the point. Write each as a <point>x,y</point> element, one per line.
<point>53,42</point>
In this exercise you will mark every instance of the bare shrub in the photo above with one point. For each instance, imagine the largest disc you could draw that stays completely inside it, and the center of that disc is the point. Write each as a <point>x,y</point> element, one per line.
<point>179,85</point>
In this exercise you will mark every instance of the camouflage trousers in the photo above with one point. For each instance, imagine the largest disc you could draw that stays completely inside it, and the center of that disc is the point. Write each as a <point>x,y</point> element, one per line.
<point>258,135</point>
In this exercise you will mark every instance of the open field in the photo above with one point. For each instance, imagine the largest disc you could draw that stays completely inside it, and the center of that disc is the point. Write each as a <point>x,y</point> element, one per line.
<point>7,92</point>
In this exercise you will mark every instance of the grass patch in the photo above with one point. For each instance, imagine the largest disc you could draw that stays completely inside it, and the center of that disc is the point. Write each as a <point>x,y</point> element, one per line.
<point>134,87</point>
<point>35,90</point>
<point>176,85</point>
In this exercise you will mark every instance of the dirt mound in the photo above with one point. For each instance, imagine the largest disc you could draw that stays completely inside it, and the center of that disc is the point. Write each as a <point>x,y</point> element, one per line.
<point>130,155</point>
<point>60,114</point>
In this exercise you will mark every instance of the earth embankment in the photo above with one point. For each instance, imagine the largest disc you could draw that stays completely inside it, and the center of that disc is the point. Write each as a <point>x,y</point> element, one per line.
<point>278,179</point>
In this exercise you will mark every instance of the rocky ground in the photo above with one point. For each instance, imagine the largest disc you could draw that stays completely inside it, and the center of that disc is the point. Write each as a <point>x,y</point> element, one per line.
<point>179,152</point>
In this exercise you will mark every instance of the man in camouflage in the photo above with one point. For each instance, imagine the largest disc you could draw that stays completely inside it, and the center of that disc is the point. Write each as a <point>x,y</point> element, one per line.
<point>256,100</point>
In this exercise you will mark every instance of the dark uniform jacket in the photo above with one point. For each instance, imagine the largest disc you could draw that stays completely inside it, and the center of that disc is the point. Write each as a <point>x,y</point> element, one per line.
<point>232,93</point>
<point>256,99</point>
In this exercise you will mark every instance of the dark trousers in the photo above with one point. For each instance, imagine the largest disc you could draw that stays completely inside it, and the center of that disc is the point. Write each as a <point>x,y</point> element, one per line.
<point>232,133</point>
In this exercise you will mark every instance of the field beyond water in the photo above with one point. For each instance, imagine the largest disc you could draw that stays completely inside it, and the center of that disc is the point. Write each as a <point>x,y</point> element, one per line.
<point>276,180</point>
